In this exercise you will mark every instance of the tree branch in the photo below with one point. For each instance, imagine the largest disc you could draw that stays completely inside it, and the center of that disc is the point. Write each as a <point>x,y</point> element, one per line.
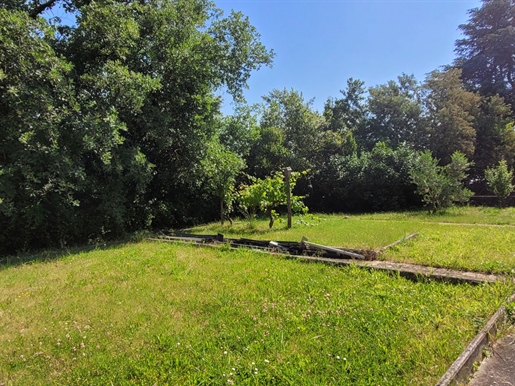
<point>40,8</point>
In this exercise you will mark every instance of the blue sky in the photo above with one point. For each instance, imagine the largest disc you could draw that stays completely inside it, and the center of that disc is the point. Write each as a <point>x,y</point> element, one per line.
<point>320,44</point>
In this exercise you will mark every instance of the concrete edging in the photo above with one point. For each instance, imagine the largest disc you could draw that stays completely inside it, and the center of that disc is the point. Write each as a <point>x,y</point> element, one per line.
<point>462,368</point>
<point>412,271</point>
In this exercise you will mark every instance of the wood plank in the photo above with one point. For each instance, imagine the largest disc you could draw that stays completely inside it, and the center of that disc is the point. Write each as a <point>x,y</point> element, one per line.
<point>331,249</point>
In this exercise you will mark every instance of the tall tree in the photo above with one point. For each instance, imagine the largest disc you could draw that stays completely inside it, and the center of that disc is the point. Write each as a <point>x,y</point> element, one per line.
<point>486,54</point>
<point>347,113</point>
<point>115,113</point>
<point>343,118</point>
<point>268,152</point>
<point>451,112</point>
<point>287,111</point>
<point>238,132</point>
<point>495,135</point>
<point>40,169</point>
<point>395,116</point>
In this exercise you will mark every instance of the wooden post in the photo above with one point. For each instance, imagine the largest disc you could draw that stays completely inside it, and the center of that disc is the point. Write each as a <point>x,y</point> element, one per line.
<point>287,175</point>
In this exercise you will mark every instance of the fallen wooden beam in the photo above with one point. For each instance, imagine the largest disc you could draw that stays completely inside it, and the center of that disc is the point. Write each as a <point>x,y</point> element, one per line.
<point>183,238</point>
<point>340,252</point>
<point>293,248</point>
<point>399,241</point>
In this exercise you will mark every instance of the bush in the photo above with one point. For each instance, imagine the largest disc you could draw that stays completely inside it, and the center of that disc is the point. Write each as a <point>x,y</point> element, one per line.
<point>441,186</point>
<point>372,181</point>
<point>499,180</point>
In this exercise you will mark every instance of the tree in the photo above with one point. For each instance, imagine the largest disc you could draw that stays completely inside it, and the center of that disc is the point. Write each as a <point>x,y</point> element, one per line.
<point>495,135</point>
<point>395,115</point>
<point>440,186</point>
<point>221,167</point>
<point>39,174</point>
<point>239,132</point>
<point>500,181</point>
<point>267,194</point>
<point>267,153</point>
<point>261,147</point>
<point>343,117</point>
<point>451,112</point>
<point>486,53</point>
<point>106,123</point>
<point>348,113</point>
<point>287,111</point>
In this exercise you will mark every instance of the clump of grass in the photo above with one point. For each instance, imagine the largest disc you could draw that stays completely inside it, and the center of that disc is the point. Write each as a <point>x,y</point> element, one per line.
<point>171,314</point>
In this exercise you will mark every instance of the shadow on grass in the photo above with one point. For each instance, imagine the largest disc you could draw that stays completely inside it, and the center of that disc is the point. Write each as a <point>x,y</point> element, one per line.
<point>248,231</point>
<point>22,258</point>
<point>246,228</point>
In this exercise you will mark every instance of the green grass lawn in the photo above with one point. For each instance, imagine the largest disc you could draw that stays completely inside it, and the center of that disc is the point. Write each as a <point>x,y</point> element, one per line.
<point>157,313</point>
<point>459,215</point>
<point>473,239</point>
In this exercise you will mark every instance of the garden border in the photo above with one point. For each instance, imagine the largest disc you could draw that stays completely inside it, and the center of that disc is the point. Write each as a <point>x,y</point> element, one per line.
<point>463,366</point>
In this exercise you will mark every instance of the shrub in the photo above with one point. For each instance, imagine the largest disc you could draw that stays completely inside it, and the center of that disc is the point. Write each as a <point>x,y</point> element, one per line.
<point>499,180</point>
<point>441,186</point>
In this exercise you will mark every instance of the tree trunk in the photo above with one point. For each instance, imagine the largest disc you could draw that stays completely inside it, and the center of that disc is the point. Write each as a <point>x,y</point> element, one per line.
<point>271,216</point>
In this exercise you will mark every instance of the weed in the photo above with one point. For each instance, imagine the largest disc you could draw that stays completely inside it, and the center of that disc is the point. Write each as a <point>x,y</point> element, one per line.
<point>510,310</point>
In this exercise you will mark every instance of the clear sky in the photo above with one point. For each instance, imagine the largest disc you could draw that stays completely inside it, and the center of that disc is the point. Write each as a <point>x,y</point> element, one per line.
<point>320,44</point>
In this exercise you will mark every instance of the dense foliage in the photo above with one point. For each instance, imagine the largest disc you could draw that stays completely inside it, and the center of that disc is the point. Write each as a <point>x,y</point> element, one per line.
<point>441,186</point>
<point>106,123</point>
<point>111,124</point>
<point>372,181</point>
<point>499,180</point>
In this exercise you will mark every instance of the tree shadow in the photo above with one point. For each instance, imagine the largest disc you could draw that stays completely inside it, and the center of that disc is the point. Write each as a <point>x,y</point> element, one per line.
<point>10,261</point>
<point>240,229</point>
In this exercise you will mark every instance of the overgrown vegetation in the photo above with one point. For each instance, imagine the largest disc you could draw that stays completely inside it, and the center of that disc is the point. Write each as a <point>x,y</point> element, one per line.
<point>107,124</point>
<point>158,313</point>
<point>112,124</point>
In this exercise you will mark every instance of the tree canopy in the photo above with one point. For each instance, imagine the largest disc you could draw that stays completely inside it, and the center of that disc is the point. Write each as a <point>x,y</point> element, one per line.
<point>487,51</point>
<point>113,123</point>
<point>105,122</point>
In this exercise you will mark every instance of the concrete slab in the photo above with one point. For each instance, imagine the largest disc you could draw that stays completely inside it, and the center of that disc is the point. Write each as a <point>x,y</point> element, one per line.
<point>498,369</point>
<point>414,270</point>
